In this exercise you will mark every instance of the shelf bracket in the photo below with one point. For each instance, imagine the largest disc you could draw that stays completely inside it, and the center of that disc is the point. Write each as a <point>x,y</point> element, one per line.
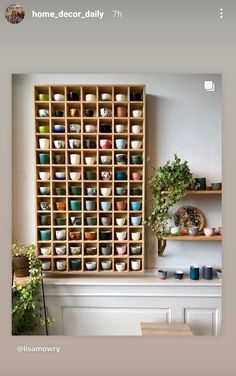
<point>161,247</point>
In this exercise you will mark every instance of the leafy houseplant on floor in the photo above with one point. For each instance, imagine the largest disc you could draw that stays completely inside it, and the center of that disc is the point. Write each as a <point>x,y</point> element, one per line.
<point>26,296</point>
<point>174,177</point>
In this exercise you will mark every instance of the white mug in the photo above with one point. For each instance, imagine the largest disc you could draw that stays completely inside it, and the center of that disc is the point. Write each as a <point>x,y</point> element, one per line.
<point>74,159</point>
<point>43,113</point>
<point>135,264</point>
<point>137,113</point>
<point>59,144</point>
<point>105,112</point>
<point>120,128</point>
<point>136,128</point>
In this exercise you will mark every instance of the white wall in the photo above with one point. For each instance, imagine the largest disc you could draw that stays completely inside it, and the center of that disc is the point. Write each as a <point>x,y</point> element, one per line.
<point>182,118</point>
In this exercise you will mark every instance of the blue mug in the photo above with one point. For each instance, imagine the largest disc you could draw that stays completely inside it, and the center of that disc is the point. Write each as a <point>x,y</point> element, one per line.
<point>194,272</point>
<point>135,205</point>
<point>121,175</point>
<point>207,272</point>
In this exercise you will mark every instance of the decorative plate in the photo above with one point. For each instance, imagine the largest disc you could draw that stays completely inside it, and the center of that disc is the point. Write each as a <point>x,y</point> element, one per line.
<point>189,216</point>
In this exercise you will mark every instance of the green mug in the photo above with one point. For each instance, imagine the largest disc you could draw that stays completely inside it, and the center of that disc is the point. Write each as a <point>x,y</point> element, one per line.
<point>75,204</point>
<point>44,158</point>
<point>43,97</point>
<point>75,190</point>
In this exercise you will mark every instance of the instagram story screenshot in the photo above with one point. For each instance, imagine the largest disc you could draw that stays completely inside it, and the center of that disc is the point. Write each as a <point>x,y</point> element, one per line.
<point>118,187</point>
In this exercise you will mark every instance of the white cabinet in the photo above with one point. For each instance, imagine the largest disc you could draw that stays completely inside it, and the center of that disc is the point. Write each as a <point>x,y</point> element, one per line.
<point>116,306</point>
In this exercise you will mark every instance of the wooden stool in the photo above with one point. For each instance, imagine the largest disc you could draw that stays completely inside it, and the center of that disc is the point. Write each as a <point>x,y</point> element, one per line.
<point>165,330</point>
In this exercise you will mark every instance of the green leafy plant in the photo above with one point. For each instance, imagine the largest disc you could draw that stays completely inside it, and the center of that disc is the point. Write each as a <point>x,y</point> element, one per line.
<point>26,297</point>
<point>168,185</point>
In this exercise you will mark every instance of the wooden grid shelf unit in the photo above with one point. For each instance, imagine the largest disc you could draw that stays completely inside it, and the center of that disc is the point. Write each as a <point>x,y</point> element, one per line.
<point>55,196</point>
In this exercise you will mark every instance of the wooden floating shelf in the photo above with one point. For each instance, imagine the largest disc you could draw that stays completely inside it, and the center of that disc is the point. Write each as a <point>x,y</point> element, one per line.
<point>126,121</point>
<point>194,238</point>
<point>200,192</point>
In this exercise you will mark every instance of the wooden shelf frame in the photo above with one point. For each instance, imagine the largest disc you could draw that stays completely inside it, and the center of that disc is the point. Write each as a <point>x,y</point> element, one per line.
<point>80,118</point>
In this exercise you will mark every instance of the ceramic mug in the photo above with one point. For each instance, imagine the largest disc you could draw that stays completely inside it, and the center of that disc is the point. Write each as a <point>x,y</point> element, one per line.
<point>105,112</point>
<point>74,143</point>
<point>44,143</point>
<point>74,159</point>
<point>136,264</point>
<point>43,113</point>
<point>120,128</point>
<point>74,128</point>
<point>59,144</point>
<point>60,234</point>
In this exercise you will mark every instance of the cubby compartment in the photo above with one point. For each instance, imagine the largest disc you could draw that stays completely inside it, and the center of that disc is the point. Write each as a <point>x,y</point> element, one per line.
<point>90,178</point>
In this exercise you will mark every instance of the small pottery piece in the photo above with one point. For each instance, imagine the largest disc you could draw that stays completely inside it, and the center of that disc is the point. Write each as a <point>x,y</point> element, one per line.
<point>219,273</point>
<point>162,274</point>
<point>43,112</point>
<point>45,251</point>
<point>59,158</point>
<point>46,265</point>
<point>74,112</point>
<point>121,236</point>
<point>134,96</point>
<point>91,251</point>
<point>90,144</point>
<point>105,128</point>
<point>75,205</point>
<point>121,175</point>
<point>60,250</point>
<point>136,144</point>
<point>121,250</point>
<point>121,205</point>
<point>89,128</point>
<point>58,113</point>
<point>60,221</point>
<point>105,191</point>
<point>179,274</point>
<point>105,112</point>
<point>43,129</point>
<point>136,191</point>
<point>43,97</point>
<point>105,235</point>
<point>59,144</point>
<point>120,97</point>
<point>135,236</point>
<point>74,128</point>
<point>216,186</point>
<point>43,175</point>
<point>106,221</point>
<point>74,235</point>
<point>89,112</point>
<point>58,97</point>
<point>135,205</point>
<point>194,272</point>
<point>105,159</point>
<point>121,159</point>
<point>175,230</point>
<point>75,264</point>
<point>75,190</point>
<point>60,191</point>
<point>44,143</point>
<point>61,265</point>
<point>120,128</point>
<point>45,235</point>
<point>90,235</point>
<point>207,272</point>
<point>120,221</point>
<point>120,266</point>
<point>90,98</point>
<point>136,159</point>
<point>44,190</point>
<point>75,175</point>
<point>75,250</point>
<point>106,175</point>
<point>136,250</point>
<point>45,220</point>
<point>73,96</point>
<point>44,205</point>
<point>137,113</point>
<point>106,264</point>
<point>105,143</point>
<point>91,221</point>
<point>105,205</point>
<point>75,221</point>
<point>89,161</point>
<point>90,175</point>
<point>105,250</point>
<point>193,231</point>
<point>60,205</point>
<point>60,234</point>
<point>121,111</point>
<point>75,159</point>
<point>58,128</point>
<point>137,175</point>
<point>136,129</point>
<point>91,191</point>
<point>74,143</point>
<point>209,231</point>
<point>136,221</point>
<point>136,264</point>
<point>106,97</point>
<point>60,175</point>
<point>120,143</point>
<point>90,205</point>
<point>91,265</point>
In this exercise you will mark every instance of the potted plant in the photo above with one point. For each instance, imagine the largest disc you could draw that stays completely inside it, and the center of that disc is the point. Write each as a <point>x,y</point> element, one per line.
<point>168,185</point>
<point>20,259</point>
<point>26,296</point>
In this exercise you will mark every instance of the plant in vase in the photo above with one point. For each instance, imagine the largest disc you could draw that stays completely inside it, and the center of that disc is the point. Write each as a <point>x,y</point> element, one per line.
<point>168,185</point>
<point>26,296</point>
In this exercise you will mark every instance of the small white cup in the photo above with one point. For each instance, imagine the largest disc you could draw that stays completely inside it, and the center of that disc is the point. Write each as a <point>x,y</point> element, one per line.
<point>74,159</point>
<point>106,191</point>
<point>119,128</point>
<point>61,265</point>
<point>120,221</point>
<point>75,175</point>
<point>59,144</point>
<point>105,112</point>
<point>135,236</point>
<point>46,265</point>
<point>136,128</point>
<point>137,113</point>
<point>135,144</point>
<point>43,175</point>
<point>121,235</point>
<point>44,143</point>
<point>121,98</point>
<point>45,251</point>
<point>89,128</point>
<point>106,97</point>
<point>135,264</point>
<point>43,112</point>
<point>120,266</point>
<point>58,97</point>
<point>74,143</point>
<point>89,161</point>
<point>90,98</point>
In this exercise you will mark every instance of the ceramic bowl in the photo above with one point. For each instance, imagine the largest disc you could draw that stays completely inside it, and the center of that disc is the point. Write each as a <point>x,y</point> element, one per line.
<point>121,175</point>
<point>120,266</point>
<point>91,265</point>
<point>43,175</point>
<point>60,175</point>
<point>136,129</point>
<point>90,144</point>
<point>90,175</point>
<point>219,273</point>
<point>106,175</point>
<point>121,111</point>
<point>45,250</point>
<point>90,235</point>
<point>121,205</point>
<point>44,205</point>
<point>59,158</point>
<point>75,190</point>
<point>106,97</point>
<point>162,274</point>
<point>136,144</point>
<point>43,112</point>
<point>136,175</point>
<point>75,159</point>
<point>59,144</point>
<point>91,191</point>
<point>91,221</point>
<point>60,191</point>
<point>179,274</point>
<point>75,175</point>
<point>105,128</point>
<point>135,236</point>
<point>60,234</point>
<point>106,264</point>
<point>44,190</point>
<point>120,221</point>
<point>193,231</point>
<point>43,129</point>
<point>45,235</point>
<point>121,159</point>
<point>136,264</point>
<point>91,251</point>
<point>44,143</point>
<point>60,205</point>
<point>105,159</point>
<point>75,221</point>
<point>121,236</point>
<point>89,112</point>
<point>136,159</point>
<point>89,128</point>
<point>46,265</point>
<point>89,161</point>
<point>74,128</point>
<point>75,250</point>
<point>73,96</point>
<point>58,128</point>
<point>136,191</point>
<point>61,265</point>
<point>175,230</point>
<point>74,235</point>
<point>135,96</point>
<point>120,143</point>
<point>105,144</point>
<point>209,231</point>
<point>105,112</point>
<point>90,205</point>
<point>75,264</point>
<point>106,205</point>
<point>90,98</point>
<point>120,97</point>
<point>121,191</point>
<point>45,220</point>
<point>60,221</point>
<point>105,191</point>
<point>105,235</point>
<point>58,97</point>
<point>60,250</point>
<point>121,250</point>
<point>120,128</point>
<point>74,143</point>
<point>135,205</point>
<point>136,250</point>
<point>137,113</point>
<point>75,205</point>
<point>43,97</point>
<point>136,221</point>
<point>44,158</point>
<point>58,113</point>
<point>106,221</point>
<point>105,250</point>
<point>216,186</point>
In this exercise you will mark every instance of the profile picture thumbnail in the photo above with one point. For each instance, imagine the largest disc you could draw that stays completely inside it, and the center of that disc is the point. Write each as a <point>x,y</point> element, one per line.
<point>14,13</point>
